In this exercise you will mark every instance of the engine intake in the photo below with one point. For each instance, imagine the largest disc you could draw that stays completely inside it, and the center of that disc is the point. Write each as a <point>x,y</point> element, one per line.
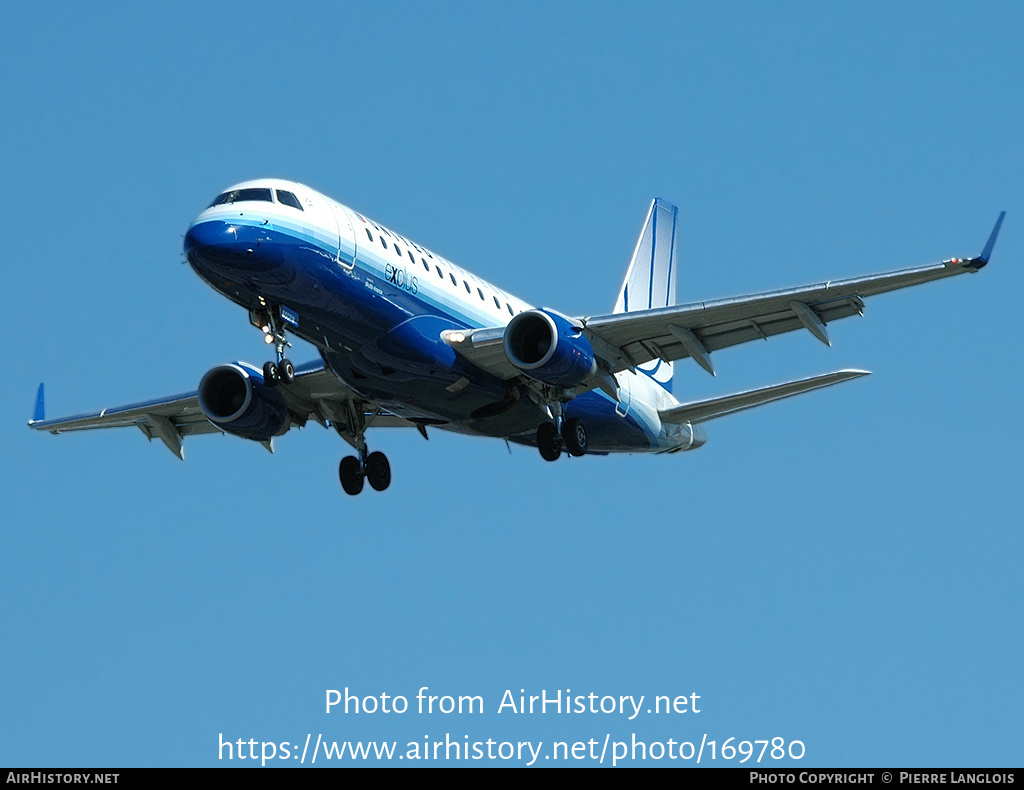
<point>235,399</point>
<point>547,347</point>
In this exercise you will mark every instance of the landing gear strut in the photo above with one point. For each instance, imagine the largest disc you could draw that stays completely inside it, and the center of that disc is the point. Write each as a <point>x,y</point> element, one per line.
<point>268,319</point>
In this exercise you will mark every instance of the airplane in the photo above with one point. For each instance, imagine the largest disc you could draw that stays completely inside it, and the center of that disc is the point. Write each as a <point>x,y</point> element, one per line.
<point>409,339</point>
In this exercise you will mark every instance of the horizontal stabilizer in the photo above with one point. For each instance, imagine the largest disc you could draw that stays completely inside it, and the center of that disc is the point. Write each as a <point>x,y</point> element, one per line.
<point>701,411</point>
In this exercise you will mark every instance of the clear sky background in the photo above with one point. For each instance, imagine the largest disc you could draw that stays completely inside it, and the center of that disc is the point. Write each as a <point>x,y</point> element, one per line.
<point>842,568</point>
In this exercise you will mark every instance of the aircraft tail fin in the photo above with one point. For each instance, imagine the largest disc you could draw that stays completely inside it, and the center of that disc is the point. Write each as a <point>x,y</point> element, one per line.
<point>39,414</point>
<point>701,411</point>
<point>651,278</point>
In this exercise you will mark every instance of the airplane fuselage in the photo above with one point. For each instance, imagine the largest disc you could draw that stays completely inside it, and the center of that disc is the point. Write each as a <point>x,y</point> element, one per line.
<point>375,304</point>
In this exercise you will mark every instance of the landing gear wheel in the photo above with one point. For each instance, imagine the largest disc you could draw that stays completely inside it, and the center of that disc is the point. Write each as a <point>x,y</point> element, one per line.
<point>574,434</point>
<point>271,375</point>
<point>286,371</point>
<point>548,442</point>
<point>378,471</point>
<point>351,475</point>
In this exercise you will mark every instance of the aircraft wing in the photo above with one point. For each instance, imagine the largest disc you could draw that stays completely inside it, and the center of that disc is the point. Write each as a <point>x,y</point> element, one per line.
<point>697,329</point>
<point>315,394</point>
<point>625,340</point>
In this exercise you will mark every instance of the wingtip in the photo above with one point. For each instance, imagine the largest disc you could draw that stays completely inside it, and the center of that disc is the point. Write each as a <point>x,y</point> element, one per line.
<point>849,374</point>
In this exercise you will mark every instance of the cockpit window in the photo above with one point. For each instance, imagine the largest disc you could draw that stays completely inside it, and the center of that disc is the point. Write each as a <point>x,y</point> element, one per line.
<point>288,198</point>
<point>238,195</point>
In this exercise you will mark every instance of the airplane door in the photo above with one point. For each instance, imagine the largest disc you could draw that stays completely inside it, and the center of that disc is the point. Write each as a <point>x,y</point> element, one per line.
<point>625,393</point>
<point>336,223</point>
<point>348,244</point>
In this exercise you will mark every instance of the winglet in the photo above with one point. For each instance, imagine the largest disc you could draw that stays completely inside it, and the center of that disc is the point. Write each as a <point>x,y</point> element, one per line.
<point>40,413</point>
<point>982,259</point>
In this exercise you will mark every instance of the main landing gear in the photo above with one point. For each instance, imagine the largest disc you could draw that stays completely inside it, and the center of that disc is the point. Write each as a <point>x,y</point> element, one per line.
<point>353,470</point>
<point>572,437</point>
<point>374,467</point>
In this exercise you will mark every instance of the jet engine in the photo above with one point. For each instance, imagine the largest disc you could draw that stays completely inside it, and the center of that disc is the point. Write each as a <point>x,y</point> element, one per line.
<point>235,399</point>
<point>547,347</point>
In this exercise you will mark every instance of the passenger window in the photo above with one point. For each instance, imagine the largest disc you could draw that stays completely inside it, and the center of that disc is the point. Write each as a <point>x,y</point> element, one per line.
<point>466,283</point>
<point>509,308</point>
<point>288,198</point>
<point>497,303</point>
<point>425,264</point>
<point>439,272</point>
<point>383,242</point>
<point>411,256</point>
<point>368,234</point>
<point>479,291</point>
<point>454,281</point>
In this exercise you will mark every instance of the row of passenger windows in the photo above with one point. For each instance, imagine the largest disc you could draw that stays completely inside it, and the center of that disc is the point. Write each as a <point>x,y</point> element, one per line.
<point>288,199</point>
<point>426,266</point>
<point>257,193</point>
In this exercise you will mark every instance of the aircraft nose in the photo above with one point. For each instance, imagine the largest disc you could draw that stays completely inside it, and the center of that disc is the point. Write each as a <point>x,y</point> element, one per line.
<point>204,238</point>
<point>212,247</point>
<point>227,249</point>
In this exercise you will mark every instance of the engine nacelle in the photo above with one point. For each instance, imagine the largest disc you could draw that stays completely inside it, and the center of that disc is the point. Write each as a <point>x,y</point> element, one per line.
<point>547,347</point>
<point>235,399</point>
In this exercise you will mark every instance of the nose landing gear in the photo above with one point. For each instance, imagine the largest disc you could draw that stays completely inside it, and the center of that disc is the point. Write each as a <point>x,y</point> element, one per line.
<point>269,320</point>
<point>281,373</point>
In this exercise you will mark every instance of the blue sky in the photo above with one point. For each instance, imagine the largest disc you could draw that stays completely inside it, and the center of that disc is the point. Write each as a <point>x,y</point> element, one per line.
<point>841,569</point>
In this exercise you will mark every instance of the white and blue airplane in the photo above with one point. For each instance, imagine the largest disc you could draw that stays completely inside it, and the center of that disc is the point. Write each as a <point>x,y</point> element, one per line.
<point>409,339</point>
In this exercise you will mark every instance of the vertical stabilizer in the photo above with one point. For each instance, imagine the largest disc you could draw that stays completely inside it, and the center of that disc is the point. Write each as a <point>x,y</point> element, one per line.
<point>651,278</point>
<point>40,412</point>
